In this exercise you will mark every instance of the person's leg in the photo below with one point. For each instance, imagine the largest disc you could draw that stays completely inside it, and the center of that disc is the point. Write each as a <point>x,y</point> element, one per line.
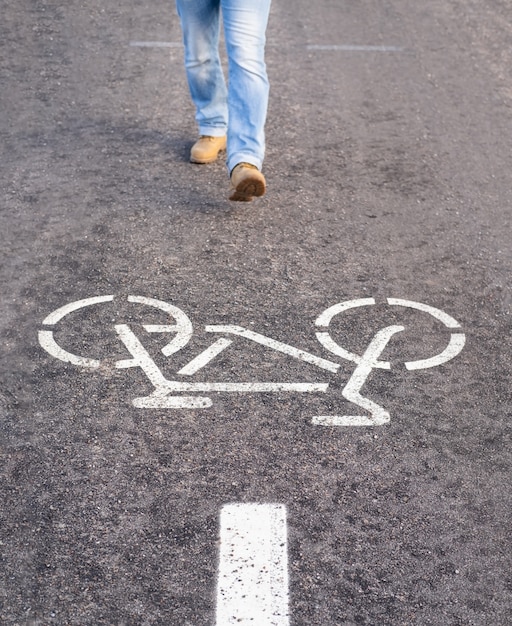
<point>200,23</point>
<point>245,23</point>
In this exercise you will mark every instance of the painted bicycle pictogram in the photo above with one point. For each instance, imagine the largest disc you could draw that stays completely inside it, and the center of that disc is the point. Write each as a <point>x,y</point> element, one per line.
<point>182,393</point>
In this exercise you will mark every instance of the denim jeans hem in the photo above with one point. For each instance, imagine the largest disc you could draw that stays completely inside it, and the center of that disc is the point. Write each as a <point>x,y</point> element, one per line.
<point>212,131</point>
<point>235,159</point>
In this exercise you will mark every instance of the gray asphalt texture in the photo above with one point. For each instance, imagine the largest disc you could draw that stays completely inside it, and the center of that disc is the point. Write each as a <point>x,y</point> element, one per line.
<point>389,175</point>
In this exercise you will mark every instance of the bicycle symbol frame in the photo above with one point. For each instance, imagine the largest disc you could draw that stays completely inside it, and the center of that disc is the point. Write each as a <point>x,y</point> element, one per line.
<point>176,394</point>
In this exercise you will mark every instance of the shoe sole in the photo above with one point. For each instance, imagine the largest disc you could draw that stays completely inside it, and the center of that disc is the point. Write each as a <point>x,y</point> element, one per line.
<point>248,189</point>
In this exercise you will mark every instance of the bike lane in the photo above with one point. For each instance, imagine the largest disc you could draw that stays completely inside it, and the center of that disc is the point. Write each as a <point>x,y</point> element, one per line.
<point>128,503</point>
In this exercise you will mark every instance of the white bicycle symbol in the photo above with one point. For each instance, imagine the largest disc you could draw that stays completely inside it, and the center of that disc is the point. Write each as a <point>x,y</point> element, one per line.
<point>176,393</point>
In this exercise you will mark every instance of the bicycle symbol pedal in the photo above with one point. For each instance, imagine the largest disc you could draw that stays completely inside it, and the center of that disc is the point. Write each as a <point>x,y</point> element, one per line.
<point>181,393</point>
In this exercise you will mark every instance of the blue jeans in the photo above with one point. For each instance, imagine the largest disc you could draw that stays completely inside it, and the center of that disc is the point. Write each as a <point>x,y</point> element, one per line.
<point>241,109</point>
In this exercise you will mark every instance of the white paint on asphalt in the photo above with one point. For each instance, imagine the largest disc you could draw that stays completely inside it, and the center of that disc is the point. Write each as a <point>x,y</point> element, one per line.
<point>369,361</point>
<point>329,344</point>
<point>252,587</point>
<point>354,48</point>
<point>342,420</point>
<point>156,44</point>
<point>351,391</point>
<point>177,394</point>
<point>47,341</point>
<point>275,345</point>
<point>172,402</point>
<point>314,47</point>
<point>455,345</point>
<point>205,357</point>
<point>443,317</point>
<point>178,386</point>
<point>163,386</point>
<point>324,319</point>
<point>183,327</point>
<point>141,357</point>
<point>57,315</point>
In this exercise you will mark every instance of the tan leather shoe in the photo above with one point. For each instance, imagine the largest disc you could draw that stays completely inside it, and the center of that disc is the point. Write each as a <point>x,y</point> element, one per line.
<point>206,149</point>
<point>246,182</point>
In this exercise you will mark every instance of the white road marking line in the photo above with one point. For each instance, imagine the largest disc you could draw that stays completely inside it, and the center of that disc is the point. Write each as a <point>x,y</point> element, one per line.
<point>141,357</point>
<point>177,386</point>
<point>329,344</point>
<point>252,586</point>
<point>165,394</point>
<point>324,319</point>
<point>368,362</point>
<point>354,48</point>
<point>275,345</point>
<point>184,325</point>
<point>315,47</point>
<point>455,345</point>
<point>326,340</point>
<point>172,402</point>
<point>457,342</point>
<point>49,344</point>
<point>163,387</point>
<point>156,44</point>
<point>57,315</point>
<point>447,320</point>
<point>344,420</point>
<point>205,357</point>
<point>160,328</point>
<point>351,391</point>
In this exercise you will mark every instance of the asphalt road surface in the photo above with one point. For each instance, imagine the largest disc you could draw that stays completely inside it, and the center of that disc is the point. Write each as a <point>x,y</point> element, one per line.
<point>294,411</point>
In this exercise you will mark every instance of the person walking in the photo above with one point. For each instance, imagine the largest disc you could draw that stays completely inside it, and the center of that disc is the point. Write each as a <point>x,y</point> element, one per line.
<point>229,117</point>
